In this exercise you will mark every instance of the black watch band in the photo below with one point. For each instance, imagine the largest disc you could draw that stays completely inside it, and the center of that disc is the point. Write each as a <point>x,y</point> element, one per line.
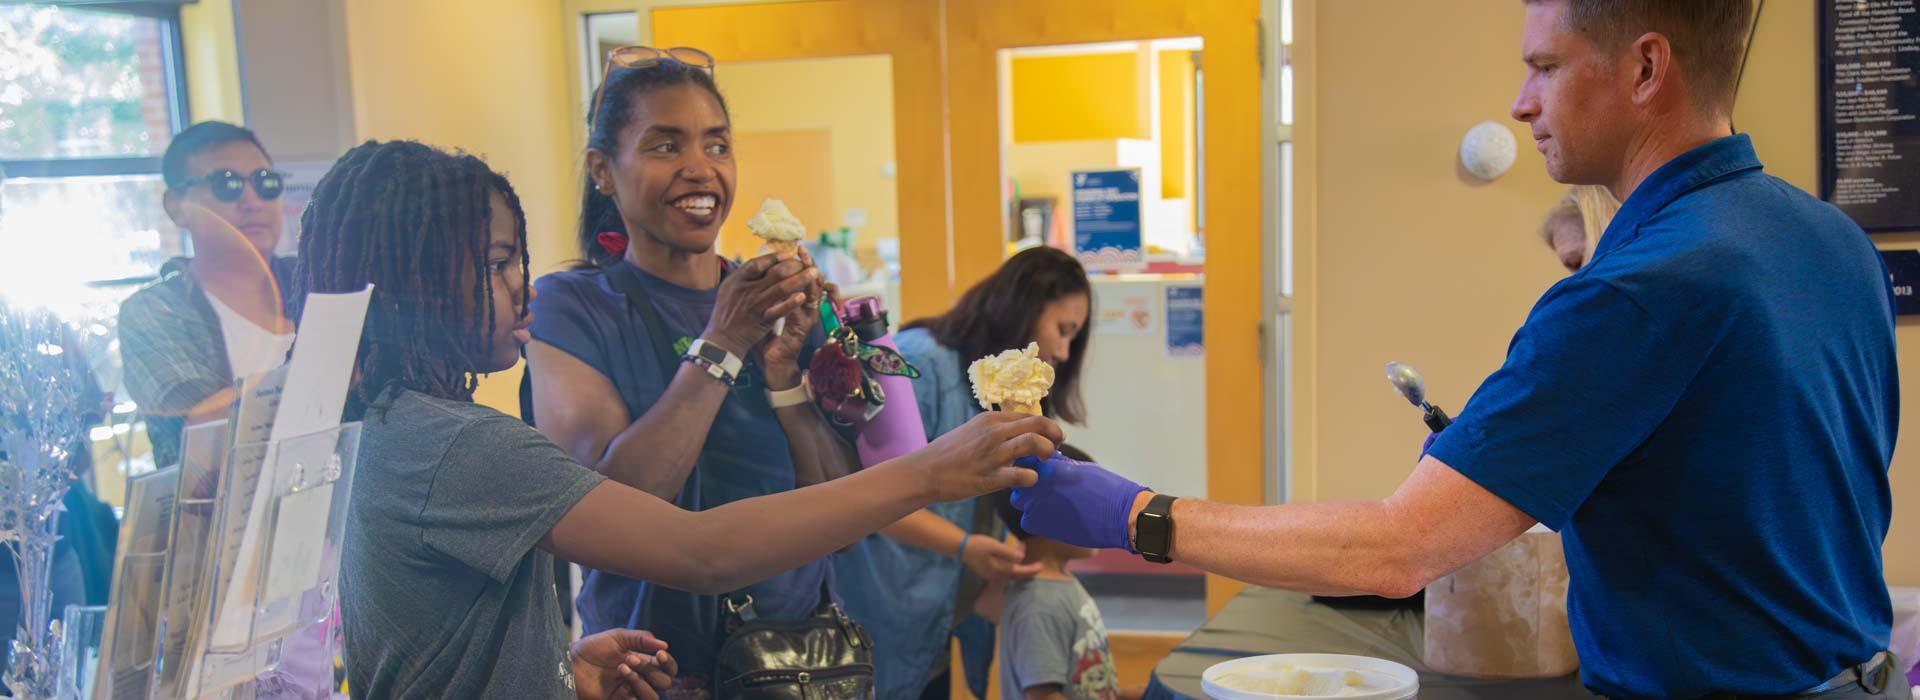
<point>1153,529</point>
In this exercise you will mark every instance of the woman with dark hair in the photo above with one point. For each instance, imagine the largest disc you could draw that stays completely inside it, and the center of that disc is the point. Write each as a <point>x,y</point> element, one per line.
<point>908,585</point>
<point>458,510</point>
<point>219,315</point>
<point>657,364</point>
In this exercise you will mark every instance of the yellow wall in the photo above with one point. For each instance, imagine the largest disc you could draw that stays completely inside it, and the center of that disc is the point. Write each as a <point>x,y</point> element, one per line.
<point>908,33</point>
<point>851,98</point>
<point>1398,259</point>
<point>1176,124</point>
<point>486,76</point>
<point>978,30</point>
<point>795,167</point>
<point>213,66</point>
<point>1076,98</point>
<point>1095,97</point>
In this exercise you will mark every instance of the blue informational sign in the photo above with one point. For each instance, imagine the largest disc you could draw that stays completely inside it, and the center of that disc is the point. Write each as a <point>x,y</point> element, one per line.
<point>1903,270</point>
<point>1186,321</point>
<point>1106,220</point>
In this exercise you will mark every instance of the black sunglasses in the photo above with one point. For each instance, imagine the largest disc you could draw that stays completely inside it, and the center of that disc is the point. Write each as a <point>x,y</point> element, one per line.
<point>228,185</point>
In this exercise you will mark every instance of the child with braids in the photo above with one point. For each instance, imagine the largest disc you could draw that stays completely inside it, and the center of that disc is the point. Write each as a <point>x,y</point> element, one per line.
<point>458,510</point>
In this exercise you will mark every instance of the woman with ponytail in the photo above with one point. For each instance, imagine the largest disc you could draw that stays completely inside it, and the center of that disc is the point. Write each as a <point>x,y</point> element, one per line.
<point>656,364</point>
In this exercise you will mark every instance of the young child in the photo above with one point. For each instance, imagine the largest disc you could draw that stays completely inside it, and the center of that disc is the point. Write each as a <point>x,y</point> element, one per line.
<point>1053,644</point>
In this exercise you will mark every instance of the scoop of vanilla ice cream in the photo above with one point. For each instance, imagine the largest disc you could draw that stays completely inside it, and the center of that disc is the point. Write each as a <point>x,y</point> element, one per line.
<point>775,223</point>
<point>1011,377</point>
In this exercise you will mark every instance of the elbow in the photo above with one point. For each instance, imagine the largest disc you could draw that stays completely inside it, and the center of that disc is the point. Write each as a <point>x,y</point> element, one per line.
<point>694,580</point>
<point>709,574</point>
<point>1401,572</point>
<point>686,566</point>
<point>707,583</point>
<point>711,581</point>
<point>1397,584</point>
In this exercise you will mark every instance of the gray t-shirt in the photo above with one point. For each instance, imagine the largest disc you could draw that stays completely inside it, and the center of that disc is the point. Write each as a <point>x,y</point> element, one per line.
<point>445,592</point>
<point>1051,634</point>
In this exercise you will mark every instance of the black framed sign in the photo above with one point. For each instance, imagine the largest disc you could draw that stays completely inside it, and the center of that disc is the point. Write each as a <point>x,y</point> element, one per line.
<point>1870,111</point>
<point>1903,272</point>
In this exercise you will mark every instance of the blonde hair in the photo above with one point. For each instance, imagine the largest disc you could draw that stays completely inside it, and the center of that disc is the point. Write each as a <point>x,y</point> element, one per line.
<point>1591,207</point>
<point>1566,211</point>
<point>1597,207</point>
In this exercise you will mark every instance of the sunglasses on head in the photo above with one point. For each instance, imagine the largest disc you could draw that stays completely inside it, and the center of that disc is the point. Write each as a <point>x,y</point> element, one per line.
<point>228,185</point>
<point>646,57</point>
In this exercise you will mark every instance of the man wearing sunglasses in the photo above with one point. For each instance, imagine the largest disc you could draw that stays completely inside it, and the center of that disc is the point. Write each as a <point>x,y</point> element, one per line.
<point>218,315</point>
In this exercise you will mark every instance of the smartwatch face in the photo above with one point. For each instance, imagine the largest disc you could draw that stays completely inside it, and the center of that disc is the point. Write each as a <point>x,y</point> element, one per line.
<point>749,377</point>
<point>1155,527</point>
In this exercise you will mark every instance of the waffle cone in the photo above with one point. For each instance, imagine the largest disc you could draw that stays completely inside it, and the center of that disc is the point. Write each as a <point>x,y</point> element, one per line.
<point>781,248</point>
<point>1031,409</point>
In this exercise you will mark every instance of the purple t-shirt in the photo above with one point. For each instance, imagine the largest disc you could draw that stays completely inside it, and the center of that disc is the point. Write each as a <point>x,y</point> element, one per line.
<point>583,313</point>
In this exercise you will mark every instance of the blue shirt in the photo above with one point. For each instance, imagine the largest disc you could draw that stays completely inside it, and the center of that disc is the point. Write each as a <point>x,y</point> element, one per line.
<point>582,313</point>
<point>1707,413</point>
<point>903,594</point>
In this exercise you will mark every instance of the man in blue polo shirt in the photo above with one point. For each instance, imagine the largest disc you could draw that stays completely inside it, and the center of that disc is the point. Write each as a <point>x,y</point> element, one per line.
<point>1706,411</point>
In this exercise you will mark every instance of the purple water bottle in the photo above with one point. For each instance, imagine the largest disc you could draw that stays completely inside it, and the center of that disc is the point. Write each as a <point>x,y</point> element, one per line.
<point>897,430</point>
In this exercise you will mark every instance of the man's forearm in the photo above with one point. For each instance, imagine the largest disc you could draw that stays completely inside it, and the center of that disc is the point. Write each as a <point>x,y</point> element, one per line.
<point>1342,548</point>
<point>1436,522</point>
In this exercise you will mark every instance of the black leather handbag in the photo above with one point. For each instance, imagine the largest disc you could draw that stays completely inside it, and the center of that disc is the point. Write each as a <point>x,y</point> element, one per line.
<point>824,656</point>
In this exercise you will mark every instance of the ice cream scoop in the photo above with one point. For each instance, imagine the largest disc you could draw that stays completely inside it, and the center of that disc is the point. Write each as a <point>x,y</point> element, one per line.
<point>782,231</point>
<point>1408,382</point>
<point>777,226</point>
<point>1413,387</point>
<point>1015,380</point>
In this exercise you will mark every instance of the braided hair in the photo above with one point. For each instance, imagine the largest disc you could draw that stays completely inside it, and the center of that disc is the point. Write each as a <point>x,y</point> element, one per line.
<point>413,221</point>
<point>598,212</point>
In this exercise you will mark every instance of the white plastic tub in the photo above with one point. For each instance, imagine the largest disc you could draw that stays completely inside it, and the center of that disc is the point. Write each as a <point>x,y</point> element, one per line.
<point>1380,679</point>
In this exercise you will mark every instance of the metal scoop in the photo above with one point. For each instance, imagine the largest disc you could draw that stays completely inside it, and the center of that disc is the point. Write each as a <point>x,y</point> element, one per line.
<point>1413,387</point>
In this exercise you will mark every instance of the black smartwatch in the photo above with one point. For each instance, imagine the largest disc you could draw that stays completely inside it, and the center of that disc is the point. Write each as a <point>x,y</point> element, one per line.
<point>1153,529</point>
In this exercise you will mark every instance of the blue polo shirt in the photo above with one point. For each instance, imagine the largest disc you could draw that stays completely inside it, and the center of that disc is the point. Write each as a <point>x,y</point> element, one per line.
<point>1706,412</point>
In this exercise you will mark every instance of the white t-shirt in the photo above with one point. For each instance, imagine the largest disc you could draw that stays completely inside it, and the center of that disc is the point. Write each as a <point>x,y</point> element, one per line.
<point>250,348</point>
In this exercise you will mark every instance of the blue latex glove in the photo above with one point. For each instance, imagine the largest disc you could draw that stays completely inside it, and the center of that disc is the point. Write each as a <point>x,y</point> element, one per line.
<point>1427,445</point>
<point>1078,503</point>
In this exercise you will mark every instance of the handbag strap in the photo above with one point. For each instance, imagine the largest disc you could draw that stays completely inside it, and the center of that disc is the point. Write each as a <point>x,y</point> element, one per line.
<point>627,279</point>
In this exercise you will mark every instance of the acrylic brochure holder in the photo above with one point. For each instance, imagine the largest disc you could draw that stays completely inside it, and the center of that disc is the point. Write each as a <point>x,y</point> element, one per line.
<point>252,566</point>
<point>161,673</point>
<point>125,664</point>
<point>284,577</point>
<point>271,564</point>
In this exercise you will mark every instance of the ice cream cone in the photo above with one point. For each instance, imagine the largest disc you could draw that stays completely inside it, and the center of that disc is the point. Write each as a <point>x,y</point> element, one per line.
<point>1031,409</point>
<point>784,249</point>
<point>778,227</point>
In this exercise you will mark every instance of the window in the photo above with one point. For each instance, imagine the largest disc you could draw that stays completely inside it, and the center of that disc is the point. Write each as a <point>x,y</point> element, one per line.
<point>89,96</point>
<point>600,34</point>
